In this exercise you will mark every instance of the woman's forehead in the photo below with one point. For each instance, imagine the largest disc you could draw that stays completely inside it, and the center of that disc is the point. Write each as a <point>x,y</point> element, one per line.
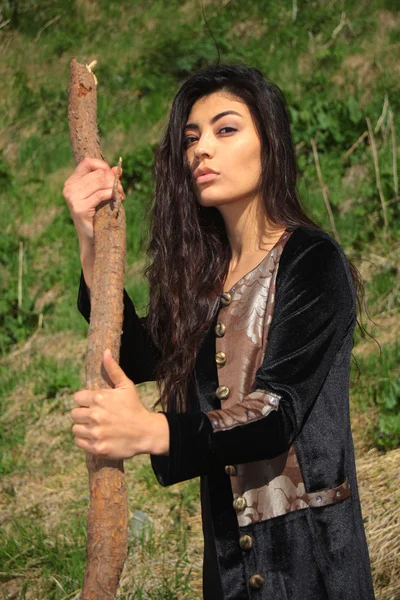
<point>206,107</point>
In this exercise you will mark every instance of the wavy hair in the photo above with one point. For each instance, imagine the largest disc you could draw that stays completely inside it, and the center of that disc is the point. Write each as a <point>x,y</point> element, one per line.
<point>188,244</point>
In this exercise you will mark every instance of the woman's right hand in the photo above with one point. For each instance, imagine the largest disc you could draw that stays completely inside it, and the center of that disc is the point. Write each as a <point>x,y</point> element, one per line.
<point>91,183</point>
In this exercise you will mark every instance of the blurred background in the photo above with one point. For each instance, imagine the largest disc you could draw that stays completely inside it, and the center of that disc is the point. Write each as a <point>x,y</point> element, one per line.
<point>337,62</point>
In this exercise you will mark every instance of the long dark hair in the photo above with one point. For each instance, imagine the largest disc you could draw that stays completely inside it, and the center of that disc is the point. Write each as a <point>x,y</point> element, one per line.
<point>188,246</point>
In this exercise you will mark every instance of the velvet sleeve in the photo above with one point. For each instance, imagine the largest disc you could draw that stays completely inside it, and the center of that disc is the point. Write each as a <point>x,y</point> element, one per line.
<point>138,354</point>
<point>314,312</point>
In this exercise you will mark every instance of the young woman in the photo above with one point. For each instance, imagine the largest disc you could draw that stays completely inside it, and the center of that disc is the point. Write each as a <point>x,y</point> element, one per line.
<point>249,334</point>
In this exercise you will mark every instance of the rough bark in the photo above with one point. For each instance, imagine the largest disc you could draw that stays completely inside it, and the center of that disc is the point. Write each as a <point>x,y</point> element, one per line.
<point>108,512</point>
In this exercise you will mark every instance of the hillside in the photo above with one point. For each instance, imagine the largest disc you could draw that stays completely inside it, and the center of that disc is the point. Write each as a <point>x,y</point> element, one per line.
<point>337,63</point>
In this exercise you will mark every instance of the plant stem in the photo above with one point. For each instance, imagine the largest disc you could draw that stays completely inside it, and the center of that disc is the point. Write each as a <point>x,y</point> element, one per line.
<point>378,175</point>
<point>324,189</point>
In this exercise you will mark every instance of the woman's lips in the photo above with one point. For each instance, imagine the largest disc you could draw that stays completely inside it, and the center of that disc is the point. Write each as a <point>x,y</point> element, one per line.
<point>206,177</point>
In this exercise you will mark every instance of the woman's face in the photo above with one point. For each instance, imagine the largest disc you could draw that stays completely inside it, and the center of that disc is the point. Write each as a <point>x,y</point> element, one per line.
<point>220,135</point>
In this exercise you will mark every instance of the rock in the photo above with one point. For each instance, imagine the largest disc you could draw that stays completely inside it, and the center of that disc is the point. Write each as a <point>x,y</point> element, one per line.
<point>141,526</point>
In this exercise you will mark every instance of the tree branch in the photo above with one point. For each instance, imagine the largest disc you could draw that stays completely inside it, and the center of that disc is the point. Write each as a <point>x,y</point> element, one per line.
<point>107,529</point>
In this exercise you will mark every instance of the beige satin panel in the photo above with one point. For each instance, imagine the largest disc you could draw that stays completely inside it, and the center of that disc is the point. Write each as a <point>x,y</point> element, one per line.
<point>266,488</point>
<point>270,487</point>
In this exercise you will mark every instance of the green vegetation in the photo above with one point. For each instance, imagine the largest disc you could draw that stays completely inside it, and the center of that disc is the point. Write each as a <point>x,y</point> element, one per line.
<point>52,564</point>
<point>336,61</point>
<point>27,550</point>
<point>379,388</point>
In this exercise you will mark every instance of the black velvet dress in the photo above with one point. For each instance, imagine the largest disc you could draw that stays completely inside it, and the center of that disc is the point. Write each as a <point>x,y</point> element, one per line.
<point>268,430</point>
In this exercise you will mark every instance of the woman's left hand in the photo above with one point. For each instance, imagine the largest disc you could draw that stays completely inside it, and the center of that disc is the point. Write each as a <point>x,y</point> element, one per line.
<point>113,423</point>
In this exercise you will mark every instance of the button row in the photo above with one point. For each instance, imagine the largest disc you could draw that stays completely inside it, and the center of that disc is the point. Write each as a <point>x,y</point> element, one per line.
<point>246,542</point>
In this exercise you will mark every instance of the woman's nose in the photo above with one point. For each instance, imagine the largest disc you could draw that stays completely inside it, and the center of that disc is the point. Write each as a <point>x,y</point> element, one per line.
<point>204,147</point>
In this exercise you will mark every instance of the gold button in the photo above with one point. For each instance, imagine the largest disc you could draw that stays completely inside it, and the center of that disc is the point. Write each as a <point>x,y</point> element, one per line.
<point>231,470</point>
<point>222,392</point>
<point>246,542</point>
<point>220,358</point>
<point>220,329</point>
<point>256,581</point>
<point>239,504</point>
<point>226,298</point>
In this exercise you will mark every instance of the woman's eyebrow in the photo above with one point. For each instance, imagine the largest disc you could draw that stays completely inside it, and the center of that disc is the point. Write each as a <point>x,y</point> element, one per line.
<point>214,119</point>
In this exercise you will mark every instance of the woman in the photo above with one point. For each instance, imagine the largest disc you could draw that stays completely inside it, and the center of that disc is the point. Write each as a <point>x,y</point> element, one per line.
<point>249,335</point>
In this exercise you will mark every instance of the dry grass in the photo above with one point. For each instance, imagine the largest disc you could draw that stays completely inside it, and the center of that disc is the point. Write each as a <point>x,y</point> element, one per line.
<point>145,562</point>
<point>383,329</point>
<point>379,482</point>
<point>55,483</point>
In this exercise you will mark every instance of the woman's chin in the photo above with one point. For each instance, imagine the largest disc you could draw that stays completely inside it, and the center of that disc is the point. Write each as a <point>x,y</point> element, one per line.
<point>208,198</point>
<point>209,202</point>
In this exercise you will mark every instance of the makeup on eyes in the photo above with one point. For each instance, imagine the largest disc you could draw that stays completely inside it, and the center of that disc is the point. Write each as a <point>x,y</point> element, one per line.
<point>229,127</point>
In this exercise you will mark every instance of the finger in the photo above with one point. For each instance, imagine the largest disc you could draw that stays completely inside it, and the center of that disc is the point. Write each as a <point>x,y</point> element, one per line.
<point>93,182</point>
<point>86,207</point>
<point>89,164</point>
<point>81,415</point>
<point>82,431</point>
<point>114,371</point>
<point>93,447</point>
<point>84,444</point>
<point>84,398</point>
<point>94,200</point>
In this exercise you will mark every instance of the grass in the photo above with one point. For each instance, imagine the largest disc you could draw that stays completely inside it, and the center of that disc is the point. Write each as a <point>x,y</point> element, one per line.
<point>28,551</point>
<point>378,390</point>
<point>47,550</point>
<point>44,495</point>
<point>336,62</point>
<point>38,393</point>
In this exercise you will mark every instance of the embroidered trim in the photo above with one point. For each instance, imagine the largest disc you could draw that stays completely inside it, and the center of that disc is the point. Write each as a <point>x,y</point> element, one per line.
<point>261,507</point>
<point>256,405</point>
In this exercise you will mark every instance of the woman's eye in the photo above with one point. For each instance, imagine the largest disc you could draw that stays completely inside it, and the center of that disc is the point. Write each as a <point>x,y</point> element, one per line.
<point>227,128</point>
<point>188,141</point>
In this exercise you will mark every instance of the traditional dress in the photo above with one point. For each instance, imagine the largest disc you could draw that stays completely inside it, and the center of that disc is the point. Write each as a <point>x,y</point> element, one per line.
<point>268,430</point>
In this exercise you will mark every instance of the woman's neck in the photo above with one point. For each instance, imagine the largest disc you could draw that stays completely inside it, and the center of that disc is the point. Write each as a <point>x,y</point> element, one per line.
<point>249,230</point>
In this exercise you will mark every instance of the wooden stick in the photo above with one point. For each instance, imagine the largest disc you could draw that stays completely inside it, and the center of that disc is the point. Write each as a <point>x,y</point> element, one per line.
<point>377,174</point>
<point>324,189</point>
<point>107,530</point>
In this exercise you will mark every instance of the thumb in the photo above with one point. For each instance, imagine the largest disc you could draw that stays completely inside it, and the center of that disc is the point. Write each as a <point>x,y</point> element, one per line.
<point>114,371</point>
